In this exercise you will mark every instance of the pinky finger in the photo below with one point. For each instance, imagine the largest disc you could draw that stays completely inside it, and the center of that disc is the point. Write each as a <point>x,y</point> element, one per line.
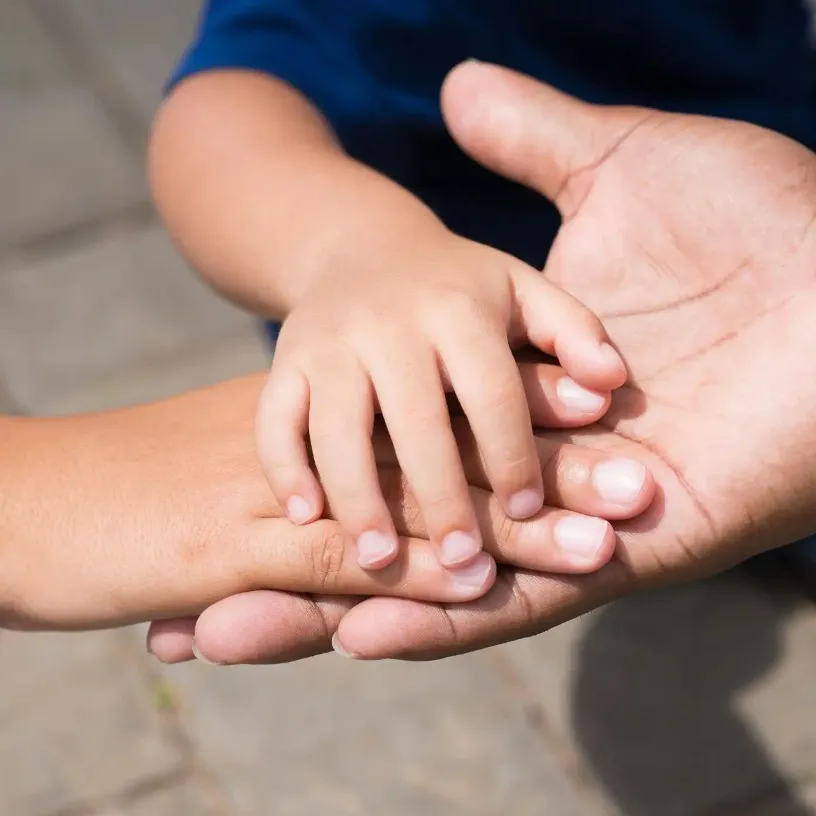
<point>281,428</point>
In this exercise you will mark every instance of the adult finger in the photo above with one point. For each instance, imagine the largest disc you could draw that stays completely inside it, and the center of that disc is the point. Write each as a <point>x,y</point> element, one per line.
<point>521,604</point>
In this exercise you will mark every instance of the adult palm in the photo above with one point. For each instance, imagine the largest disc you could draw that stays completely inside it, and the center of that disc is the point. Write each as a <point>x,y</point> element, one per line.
<point>693,238</point>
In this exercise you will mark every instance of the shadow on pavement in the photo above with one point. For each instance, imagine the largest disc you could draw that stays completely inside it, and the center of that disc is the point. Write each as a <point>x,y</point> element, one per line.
<point>655,699</point>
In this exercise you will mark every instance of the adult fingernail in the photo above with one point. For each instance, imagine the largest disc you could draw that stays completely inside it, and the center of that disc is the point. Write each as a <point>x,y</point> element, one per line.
<point>459,547</point>
<point>373,548</point>
<point>342,650</point>
<point>525,503</point>
<point>298,510</point>
<point>581,536</point>
<point>577,398</point>
<point>474,574</point>
<point>200,657</point>
<point>619,481</point>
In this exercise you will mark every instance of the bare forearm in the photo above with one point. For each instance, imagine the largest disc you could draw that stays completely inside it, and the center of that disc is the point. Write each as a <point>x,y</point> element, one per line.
<point>257,192</point>
<point>103,517</point>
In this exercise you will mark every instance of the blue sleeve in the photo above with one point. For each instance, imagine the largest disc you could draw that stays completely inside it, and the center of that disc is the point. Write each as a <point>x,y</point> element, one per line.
<point>304,43</point>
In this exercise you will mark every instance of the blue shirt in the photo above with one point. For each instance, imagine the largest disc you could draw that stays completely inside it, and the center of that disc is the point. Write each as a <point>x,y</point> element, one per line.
<point>375,67</point>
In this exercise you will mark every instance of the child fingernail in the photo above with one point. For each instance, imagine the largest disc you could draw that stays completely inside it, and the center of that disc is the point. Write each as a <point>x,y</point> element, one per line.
<point>581,536</point>
<point>298,510</point>
<point>525,503</point>
<point>619,481</point>
<point>374,548</point>
<point>577,398</point>
<point>459,547</point>
<point>475,574</point>
<point>609,356</point>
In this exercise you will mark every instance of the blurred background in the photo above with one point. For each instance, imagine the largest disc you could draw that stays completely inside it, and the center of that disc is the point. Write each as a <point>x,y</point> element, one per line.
<point>694,701</point>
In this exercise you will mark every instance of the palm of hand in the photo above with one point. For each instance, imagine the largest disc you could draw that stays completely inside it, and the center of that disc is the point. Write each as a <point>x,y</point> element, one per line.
<point>693,240</point>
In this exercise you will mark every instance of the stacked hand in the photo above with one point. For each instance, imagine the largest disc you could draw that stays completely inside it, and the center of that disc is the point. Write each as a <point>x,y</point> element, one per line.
<point>693,239</point>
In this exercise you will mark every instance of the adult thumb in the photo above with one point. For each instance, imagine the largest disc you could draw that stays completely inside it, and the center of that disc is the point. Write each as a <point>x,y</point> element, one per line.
<point>529,131</point>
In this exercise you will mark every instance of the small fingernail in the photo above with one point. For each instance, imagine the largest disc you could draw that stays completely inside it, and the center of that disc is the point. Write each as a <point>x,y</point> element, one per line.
<point>619,481</point>
<point>373,548</point>
<point>609,356</point>
<point>200,657</point>
<point>474,574</point>
<point>459,547</point>
<point>341,650</point>
<point>581,536</point>
<point>298,510</point>
<point>577,398</point>
<point>525,503</point>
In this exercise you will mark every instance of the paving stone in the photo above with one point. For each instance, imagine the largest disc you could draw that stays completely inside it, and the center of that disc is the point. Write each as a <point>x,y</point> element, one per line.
<point>61,163</point>
<point>678,701</point>
<point>332,736</point>
<point>140,42</point>
<point>93,311</point>
<point>77,722</point>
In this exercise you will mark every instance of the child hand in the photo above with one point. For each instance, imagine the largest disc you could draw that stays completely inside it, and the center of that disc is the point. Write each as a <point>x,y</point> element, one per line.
<point>434,312</point>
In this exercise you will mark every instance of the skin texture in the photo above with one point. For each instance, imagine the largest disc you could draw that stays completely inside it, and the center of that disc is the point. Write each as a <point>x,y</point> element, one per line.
<point>693,239</point>
<point>386,311</point>
<point>161,510</point>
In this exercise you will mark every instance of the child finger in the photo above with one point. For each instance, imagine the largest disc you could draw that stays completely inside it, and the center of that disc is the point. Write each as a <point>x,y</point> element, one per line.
<point>416,415</point>
<point>558,324</point>
<point>281,427</point>
<point>341,419</point>
<point>486,381</point>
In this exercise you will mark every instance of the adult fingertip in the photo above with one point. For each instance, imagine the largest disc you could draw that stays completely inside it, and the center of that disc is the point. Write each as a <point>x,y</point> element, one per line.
<point>587,542</point>
<point>341,650</point>
<point>170,642</point>
<point>201,657</point>
<point>578,399</point>
<point>622,482</point>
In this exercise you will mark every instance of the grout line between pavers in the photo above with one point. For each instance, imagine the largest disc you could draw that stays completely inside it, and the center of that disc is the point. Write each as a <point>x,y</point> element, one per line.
<point>537,719</point>
<point>91,67</point>
<point>195,766</point>
<point>149,786</point>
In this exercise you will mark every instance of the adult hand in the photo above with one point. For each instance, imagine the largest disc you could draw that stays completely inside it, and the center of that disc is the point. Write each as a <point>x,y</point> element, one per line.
<point>693,238</point>
<point>161,510</point>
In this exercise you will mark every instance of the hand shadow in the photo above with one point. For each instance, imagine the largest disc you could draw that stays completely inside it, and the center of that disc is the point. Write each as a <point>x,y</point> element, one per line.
<point>655,699</point>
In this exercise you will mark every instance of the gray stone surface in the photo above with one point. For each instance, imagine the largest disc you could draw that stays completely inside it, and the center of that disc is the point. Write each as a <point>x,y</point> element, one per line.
<point>332,736</point>
<point>61,164</point>
<point>140,42</point>
<point>78,721</point>
<point>122,302</point>
<point>690,702</point>
<point>683,700</point>
<point>184,799</point>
